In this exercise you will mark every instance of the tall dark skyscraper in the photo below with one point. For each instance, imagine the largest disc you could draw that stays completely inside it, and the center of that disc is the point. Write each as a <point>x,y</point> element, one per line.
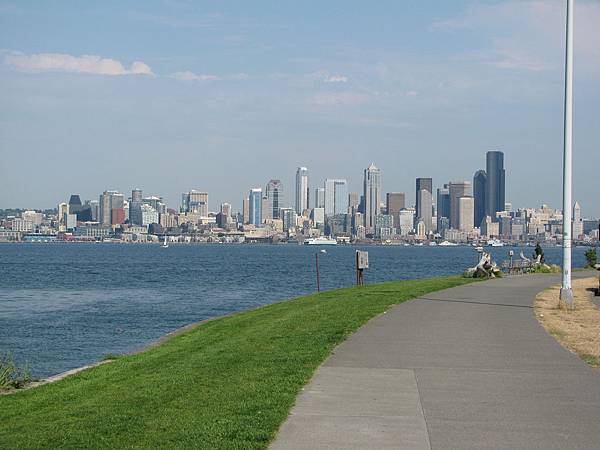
<point>443,206</point>
<point>495,188</point>
<point>422,183</point>
<point>479,189</point>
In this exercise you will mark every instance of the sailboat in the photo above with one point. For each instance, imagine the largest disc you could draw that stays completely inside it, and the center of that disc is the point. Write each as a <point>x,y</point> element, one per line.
<point>165,244</point>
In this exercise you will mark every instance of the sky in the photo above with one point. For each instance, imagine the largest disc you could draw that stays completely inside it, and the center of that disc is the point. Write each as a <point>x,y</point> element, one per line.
<point>173,95</point>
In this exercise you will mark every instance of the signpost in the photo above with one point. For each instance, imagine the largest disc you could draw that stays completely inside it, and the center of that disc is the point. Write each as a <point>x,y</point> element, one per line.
<point>362,263</point>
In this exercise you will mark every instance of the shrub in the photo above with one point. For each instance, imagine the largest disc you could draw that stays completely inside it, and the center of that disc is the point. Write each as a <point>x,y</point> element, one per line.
<point>591,257</point>
<point>11,375</point>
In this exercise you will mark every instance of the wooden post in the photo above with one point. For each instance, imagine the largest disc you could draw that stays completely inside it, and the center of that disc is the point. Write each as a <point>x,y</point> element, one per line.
<point>318,276</point>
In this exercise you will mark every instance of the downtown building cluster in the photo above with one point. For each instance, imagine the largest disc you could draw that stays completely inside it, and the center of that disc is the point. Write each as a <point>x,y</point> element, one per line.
<point>462,211</point>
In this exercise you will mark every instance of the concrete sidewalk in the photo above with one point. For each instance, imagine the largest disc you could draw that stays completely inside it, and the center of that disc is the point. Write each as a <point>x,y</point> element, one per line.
<point>465,368</point>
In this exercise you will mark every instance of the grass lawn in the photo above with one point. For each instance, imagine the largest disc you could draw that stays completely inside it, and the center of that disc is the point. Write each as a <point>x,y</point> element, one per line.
<point>226,384</point>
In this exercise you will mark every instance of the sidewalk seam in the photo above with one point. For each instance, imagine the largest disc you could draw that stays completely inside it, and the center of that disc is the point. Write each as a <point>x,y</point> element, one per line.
<point>422,409</point>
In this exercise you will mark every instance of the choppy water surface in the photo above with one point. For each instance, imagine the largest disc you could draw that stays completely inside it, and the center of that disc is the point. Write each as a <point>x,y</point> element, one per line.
<point>66,305</point>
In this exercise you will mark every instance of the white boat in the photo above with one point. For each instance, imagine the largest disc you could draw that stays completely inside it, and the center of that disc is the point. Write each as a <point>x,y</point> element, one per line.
<point>447,244</point>
<point>321,240</point>
<point>495,243</point>
<point>165,243</point>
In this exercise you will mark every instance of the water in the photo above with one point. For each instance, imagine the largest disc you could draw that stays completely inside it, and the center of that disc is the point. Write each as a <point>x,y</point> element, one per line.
<point>66,305</point>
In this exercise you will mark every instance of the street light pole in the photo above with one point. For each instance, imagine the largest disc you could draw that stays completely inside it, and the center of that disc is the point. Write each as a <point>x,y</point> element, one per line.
<point>566,292</point>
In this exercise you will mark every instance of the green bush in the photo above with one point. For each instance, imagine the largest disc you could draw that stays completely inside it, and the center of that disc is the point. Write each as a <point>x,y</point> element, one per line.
<point>591,257</point>
<point>11,375</point>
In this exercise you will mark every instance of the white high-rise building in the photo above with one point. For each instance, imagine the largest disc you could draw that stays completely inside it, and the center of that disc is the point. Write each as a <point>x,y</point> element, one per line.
<point>466,213</point>
<point>407,219</point>
<point>372,196</point>
<point>336,196</point>
<point>424,201</point>
<point>302,200</point>
<point>577,221</point>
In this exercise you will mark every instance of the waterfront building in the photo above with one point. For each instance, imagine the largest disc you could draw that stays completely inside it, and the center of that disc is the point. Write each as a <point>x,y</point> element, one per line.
<point>384,226</point>
<point>518,228</point>
<point>71,221</point>
<point>466,206</point>
<point>23,225</point>
<point>457,189</point>
<point>195,202</point>
<point>479,196</point>
<point>424,201</point>
<point>302,190</point>
<point>337,225</point>
<point>36,218</point>
<point>407,220</point>
<point>320,198</point>
<point>63,210</point>
<point>505,226</point>
<point>255,206</point>
<point>290,219</point>
<point>336,196</point>
<point>274,195</point>
<point>372,195</point>
<point>394,203</point>
<point>495,186</point>
<point>421,230</point>
<point>489,228</point>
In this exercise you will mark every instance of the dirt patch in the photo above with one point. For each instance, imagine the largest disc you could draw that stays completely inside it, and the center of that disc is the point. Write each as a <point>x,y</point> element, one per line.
<point>577,329</point>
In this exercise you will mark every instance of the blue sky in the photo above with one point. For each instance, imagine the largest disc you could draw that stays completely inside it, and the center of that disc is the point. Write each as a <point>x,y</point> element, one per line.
<point>222,96</point>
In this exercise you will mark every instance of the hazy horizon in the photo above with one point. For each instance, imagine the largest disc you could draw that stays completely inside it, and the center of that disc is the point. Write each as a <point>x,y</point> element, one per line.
<point>178,95</point>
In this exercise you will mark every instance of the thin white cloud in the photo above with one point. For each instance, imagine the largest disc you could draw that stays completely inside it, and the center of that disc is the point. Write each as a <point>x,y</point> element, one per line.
<point>61,62</point>
<point>529,35</point>
<point>191,76</point>
<point>326,77</point>
<point>340,98</point>
<point>336,79</point>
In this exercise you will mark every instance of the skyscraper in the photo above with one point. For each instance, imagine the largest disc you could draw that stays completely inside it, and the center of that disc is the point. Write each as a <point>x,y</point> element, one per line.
<point>495,187</point>
<point>111,208</point>
<point>319,198</point>
<point>195,202</point>
<point>422,183</point>
<point>457,189</point>
<point>394,202</point>
<point>465,213</point>
<point>302,195</point>
<point>424,200</point>
<point>255,205</point>
<point>372,195</point>
<point>274,195</point>
<point>353,200</point>
<point>245,210</point>
<point>136,195</point>
<point>479,189</point>
<point>336,196</point>
<point>443,207</point>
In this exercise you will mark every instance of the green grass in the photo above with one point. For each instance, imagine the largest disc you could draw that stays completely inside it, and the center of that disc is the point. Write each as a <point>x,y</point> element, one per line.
<point>226,384</point>
<point>590,359</point>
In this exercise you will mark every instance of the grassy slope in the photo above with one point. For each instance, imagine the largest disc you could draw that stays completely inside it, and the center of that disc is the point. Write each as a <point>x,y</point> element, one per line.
<point>228,383</point>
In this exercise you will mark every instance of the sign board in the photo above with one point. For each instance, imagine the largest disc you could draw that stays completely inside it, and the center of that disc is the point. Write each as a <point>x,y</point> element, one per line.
<point>362,259</point>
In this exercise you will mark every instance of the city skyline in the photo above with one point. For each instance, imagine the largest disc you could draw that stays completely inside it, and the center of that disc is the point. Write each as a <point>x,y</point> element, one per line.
<point>407,88</point>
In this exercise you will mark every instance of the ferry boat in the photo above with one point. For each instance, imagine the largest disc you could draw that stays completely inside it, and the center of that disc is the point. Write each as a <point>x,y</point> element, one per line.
<point>321,240</point>
<point>448,244</point>
<point>495,243</point>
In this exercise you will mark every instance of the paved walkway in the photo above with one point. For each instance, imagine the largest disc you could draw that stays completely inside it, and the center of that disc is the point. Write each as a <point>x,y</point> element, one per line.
<point>465,368</point>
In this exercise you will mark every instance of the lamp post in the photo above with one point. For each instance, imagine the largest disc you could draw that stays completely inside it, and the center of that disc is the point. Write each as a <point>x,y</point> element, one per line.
<point>566,292</point>
<point>317,267</point>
